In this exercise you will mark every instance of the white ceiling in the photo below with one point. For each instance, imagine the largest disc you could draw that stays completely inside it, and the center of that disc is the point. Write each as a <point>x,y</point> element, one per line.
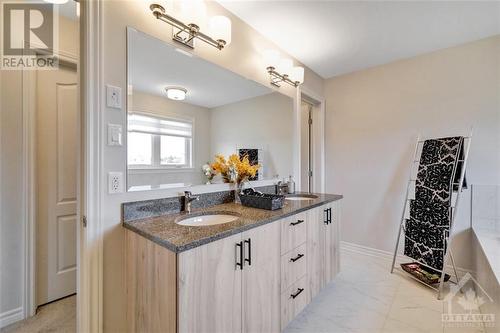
<point>154,65</point>
<point>338,37</point>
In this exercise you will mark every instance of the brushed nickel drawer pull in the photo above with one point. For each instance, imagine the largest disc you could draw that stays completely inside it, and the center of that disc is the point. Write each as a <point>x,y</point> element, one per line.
<point>296,258</point>
<point>297,293</point>
<point>298,222</point>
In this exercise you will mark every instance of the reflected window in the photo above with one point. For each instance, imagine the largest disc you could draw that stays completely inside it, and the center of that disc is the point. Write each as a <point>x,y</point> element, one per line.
<point>140,148</point>
<point>158,142</point>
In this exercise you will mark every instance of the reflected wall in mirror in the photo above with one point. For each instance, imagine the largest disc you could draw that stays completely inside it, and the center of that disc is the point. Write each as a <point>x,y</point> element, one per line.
<point>183,110</point>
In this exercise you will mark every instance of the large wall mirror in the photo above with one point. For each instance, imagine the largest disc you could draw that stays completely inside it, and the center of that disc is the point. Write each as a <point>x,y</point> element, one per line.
<point>183,110</point>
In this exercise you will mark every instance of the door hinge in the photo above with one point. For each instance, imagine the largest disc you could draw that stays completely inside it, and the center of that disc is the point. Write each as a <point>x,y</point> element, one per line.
<point>310,121</point>
<point>84,221</point>
<point>310,173</point>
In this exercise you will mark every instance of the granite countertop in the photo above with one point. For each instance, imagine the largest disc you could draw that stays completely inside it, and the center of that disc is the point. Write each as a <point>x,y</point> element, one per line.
<point>164,230</point>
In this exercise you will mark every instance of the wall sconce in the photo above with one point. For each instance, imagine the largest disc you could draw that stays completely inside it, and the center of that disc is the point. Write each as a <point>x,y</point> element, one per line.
<point>219,26</point>
<point>282,69</point>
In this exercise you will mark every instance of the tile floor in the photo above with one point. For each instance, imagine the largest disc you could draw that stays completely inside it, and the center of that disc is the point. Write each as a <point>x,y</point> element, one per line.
<point>366,298</point>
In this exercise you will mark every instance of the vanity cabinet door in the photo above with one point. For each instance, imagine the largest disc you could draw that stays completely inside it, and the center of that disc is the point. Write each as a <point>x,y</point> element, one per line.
<point>332,243</point>
<point>210,287</point>
<point>322,246</point>
<point>316,228</point>
<point>261,279</point>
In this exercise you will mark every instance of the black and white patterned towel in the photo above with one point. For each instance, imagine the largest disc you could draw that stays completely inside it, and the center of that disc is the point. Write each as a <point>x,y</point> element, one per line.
<point>427,229</point>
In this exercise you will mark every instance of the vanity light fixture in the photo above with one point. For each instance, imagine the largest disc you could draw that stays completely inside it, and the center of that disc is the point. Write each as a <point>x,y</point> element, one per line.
<point>282,70</point>
<point>176,93</point>
<point>219,26</point>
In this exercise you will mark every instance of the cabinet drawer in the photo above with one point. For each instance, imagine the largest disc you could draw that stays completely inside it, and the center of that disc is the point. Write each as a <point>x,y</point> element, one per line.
<point>293,300</point>
<point>293,232</point>
<point>293,266</point>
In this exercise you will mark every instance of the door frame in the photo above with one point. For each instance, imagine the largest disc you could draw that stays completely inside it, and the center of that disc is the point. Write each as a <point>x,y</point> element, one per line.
<point>89,230</point>
<point>318,137</point>
<point>30,181</point>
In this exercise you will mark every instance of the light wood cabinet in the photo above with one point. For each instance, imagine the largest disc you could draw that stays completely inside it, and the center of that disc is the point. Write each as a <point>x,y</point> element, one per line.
<point>293,266</point>
<point>217,294</point>
<point>293,301</point>
<point>150,286</point>
<point>322,247</point>
<point>293,232</point>
<point>332,243</point>
<point>254,281</point>
<point>261,279</point>
<point>210,287</point>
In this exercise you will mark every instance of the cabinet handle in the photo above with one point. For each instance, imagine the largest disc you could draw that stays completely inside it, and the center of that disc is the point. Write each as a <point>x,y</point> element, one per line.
<point>240,250</point>
<point>296,258</point>
<point>329,215</point>
<point>297,293</point>
<point>295,223</point>
<point>249,259</point>
<point>325,220</point>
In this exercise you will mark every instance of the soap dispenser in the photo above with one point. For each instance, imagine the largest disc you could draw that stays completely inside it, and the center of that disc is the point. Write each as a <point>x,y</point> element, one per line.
<point>291,185</point>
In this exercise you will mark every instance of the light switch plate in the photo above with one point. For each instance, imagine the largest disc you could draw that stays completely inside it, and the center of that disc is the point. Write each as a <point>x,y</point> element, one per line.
<point>113,97</point>
<point>115,182</point>
<point>114,135</point>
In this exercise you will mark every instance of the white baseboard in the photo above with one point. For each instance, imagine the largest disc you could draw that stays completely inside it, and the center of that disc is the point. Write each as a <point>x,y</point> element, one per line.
<point>11,316</point>
<point>386,255</point>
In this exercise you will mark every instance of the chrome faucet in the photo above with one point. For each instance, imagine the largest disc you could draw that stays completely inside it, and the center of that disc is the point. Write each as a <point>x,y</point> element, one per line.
<point>282,188</point>
<point>188,198</point>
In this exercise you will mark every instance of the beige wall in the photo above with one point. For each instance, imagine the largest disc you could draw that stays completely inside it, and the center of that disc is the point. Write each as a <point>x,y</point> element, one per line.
<point>242,57</point>
<point>264,122</point>
<point>11,176</point>
<point>374,116</point>
<point>154,104</point>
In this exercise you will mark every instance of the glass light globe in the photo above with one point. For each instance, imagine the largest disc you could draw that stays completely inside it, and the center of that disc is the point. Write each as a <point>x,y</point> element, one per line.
<point>220,28</point>
<point>297,74</point>
<point>285,66</point>
<point>271,58</point>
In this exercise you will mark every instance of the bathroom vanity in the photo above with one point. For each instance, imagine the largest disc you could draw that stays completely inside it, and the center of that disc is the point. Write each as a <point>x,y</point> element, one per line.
<point>252,274</point>
<point>223,267</point>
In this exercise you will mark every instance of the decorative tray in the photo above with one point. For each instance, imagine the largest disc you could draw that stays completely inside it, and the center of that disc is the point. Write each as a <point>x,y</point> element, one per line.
<point>424,274</point>
<point>251,198</point>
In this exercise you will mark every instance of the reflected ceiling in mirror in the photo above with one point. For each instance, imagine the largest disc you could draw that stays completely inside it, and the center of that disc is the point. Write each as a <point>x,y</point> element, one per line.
<point>183,110</point>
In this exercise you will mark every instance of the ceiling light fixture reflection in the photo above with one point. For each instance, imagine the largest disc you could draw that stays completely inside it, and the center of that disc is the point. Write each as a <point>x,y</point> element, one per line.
<point>176,93</point>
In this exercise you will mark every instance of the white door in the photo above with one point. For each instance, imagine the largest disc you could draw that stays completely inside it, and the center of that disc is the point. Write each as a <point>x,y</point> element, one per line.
<point>57,114</point>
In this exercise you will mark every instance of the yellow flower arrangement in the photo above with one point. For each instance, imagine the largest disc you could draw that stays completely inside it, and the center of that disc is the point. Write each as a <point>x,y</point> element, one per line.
<point>234,169</point>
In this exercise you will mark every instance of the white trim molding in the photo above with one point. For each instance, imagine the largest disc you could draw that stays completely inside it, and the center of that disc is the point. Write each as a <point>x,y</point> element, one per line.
<point>90,236</point>
<point>385,255</point>
<point>11,316</point>
<point>318,139</point>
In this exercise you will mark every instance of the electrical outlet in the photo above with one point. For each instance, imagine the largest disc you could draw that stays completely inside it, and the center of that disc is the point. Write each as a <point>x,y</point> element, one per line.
<point>113,97</point>
<point>115,182</point>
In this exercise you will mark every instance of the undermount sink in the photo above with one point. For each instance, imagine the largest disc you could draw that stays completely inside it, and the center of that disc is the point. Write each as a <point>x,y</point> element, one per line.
<point>201,220</point>
<point>296,197</point>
